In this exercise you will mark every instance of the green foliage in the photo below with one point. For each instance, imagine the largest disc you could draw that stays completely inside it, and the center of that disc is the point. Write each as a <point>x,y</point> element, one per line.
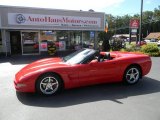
<point>132,47</point>
<point>103,36</point>
<point>153,54</point>
<point>150,22</point>
<point>150,49</point>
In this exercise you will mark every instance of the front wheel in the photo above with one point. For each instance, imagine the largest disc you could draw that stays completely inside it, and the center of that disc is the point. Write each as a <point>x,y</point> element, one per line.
<point>49,84</point>
<point>132,75</point>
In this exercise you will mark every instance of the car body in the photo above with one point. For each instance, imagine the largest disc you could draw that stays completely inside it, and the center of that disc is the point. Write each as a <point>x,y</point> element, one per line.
<point>147,40</point>
<point>143,42</point>
<point>153,41</point>
<point>81,68</point>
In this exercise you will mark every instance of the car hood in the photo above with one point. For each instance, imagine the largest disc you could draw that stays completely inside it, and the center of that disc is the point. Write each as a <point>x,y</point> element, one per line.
<point>41,65</point>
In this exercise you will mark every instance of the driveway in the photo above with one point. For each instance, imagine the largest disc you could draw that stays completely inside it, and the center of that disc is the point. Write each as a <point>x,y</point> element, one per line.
<point>101,102</point>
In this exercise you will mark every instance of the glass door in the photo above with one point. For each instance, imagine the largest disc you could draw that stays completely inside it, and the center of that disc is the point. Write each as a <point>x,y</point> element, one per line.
<point>30,42</point>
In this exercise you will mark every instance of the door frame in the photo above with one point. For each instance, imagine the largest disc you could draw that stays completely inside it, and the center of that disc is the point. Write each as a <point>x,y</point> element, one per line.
<point>9,38</point>
<point>38,42</point>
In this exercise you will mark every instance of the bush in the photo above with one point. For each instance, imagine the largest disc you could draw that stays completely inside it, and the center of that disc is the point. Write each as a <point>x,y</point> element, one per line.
<point>150,49</point>
<point>132,48</point>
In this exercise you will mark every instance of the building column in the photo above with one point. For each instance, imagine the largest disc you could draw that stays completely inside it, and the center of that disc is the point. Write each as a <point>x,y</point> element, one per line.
<point>96,40</point>
<point>6,42</point>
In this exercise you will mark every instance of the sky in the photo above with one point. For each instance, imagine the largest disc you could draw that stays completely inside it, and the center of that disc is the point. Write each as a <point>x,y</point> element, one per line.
<point>114,7</point>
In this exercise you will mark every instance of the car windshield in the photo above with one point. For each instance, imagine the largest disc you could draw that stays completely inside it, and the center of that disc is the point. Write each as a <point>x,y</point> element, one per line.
<point>78,56</point>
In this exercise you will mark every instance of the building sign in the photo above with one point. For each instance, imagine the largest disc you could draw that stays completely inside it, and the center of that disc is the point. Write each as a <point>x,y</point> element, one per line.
<point>92,34</point>
<point>53,20</point>
<point>134,31</point>
<point>134,23</point>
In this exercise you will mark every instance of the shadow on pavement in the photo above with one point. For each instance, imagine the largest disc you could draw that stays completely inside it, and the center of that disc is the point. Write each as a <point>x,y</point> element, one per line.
<point>82,95</point>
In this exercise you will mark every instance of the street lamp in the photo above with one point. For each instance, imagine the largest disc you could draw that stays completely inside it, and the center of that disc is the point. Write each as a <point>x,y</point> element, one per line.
<point>115,22</point>
<point>140,27</point>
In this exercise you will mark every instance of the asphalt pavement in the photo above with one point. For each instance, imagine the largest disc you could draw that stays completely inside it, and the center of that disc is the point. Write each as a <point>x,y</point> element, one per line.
<point>99,102</point>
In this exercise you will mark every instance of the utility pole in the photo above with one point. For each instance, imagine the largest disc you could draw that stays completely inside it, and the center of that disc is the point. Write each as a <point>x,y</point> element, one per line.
<point>140,27</point>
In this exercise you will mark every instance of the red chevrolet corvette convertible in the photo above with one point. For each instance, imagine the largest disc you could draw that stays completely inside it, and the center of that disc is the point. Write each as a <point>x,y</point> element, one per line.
<point>81,68</point>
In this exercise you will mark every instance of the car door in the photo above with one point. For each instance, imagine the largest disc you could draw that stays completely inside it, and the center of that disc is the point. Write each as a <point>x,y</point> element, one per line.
<point>106,71</point>
<point>84,74</point>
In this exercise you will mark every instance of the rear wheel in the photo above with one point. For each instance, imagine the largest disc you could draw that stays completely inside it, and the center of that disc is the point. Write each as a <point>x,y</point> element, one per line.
<point>132,75</point>
<point>49,84</point>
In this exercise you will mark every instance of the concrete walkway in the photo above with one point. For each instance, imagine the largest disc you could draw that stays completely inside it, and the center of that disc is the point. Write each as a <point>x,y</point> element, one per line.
<point>26,59</point>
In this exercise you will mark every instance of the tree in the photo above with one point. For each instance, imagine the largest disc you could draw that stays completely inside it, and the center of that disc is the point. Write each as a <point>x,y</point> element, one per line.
<point>104,37</point>
<point>120,24</point>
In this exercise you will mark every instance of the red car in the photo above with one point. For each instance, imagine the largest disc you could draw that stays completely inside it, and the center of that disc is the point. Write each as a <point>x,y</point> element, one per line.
<point>142,43</point>
<point>81,68</point>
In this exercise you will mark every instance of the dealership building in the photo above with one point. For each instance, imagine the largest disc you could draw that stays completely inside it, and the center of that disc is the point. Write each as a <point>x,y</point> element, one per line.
<point>27,31</point>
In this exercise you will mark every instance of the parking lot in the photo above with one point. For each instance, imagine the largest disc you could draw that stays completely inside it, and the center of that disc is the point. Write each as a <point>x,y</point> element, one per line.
<point>99,102</point>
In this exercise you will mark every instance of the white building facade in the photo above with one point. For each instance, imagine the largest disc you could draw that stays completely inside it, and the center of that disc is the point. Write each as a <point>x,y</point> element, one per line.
<point>26,31</point>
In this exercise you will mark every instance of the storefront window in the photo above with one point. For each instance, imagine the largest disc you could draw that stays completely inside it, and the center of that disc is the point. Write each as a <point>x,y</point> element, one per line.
<point>30,43</point>
<point>76,39</point>
<point>65,40</point>
<point>0,42</point>
<point>62,40</point>
<point>48,42</point>
<point>88,39</point>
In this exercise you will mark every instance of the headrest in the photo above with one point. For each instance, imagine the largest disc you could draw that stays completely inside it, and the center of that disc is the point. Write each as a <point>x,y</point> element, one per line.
<point>108,55</point>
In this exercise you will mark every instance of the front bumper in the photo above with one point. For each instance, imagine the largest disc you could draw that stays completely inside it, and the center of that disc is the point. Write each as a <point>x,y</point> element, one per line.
<point>24,87</point>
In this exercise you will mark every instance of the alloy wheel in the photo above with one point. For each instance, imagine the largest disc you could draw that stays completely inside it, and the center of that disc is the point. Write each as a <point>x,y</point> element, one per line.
<point>49,85</point>
<point>132,75</point>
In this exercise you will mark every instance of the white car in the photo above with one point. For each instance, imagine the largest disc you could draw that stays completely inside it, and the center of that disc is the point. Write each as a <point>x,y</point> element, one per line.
<point>155,41</point>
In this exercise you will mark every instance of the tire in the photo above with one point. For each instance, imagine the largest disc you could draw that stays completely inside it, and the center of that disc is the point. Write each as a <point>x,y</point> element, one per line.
<point>132,75</point>
<point>49,84</point>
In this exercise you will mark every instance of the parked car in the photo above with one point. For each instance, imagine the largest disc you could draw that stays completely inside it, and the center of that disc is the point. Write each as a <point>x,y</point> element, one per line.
<point>147,40</point>
<point>81,68</point>
<point>143,42</point>
<point>155,41</point>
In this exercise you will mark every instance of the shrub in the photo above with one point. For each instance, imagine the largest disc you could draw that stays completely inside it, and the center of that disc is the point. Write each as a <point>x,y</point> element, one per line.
<point>150,49</point>
<point>132,48</point>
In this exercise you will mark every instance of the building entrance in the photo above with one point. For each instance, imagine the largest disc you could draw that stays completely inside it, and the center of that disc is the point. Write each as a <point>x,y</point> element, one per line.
<point>15,42</point>
<point>30,42</point>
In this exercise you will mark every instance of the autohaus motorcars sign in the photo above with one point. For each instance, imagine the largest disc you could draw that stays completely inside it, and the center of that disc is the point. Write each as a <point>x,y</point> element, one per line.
<point>53,20</point>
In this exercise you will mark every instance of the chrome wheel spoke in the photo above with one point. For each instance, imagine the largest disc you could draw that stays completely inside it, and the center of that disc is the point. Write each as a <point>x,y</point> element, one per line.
<point>134,78</point>
<point>49,79</point>
<point>128,74</point>
<point>44,84</point>
<point>46,89</point>
<point>53,84</point>
<point>132,70</point>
